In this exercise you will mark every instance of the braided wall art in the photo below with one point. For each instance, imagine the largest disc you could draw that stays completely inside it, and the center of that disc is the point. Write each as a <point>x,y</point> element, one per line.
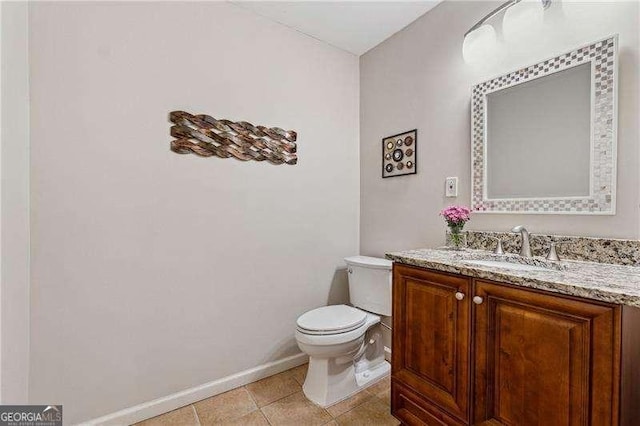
<point>206,136</point>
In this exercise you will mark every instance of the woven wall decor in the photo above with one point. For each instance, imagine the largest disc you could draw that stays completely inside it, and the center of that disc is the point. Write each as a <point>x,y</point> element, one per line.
<point>206,136</point>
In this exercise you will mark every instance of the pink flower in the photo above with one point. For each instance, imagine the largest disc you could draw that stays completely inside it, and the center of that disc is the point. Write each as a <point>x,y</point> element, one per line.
<point>456,215</point>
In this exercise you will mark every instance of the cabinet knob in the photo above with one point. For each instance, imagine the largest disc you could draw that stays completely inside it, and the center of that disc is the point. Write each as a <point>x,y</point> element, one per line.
<point>459,295</point>
<point>478,300</point>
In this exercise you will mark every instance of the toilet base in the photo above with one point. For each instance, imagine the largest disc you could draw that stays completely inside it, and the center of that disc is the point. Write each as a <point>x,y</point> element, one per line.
<point>325,390</point>
<point>340,369</point>
<point>332,379</point>
<point>372,376</point>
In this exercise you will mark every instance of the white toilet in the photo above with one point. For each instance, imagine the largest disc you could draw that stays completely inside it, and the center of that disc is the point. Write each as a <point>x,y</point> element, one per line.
<point>344,343</point>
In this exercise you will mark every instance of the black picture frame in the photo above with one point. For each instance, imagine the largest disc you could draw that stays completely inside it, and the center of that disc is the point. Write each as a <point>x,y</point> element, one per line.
<point>406,171</point>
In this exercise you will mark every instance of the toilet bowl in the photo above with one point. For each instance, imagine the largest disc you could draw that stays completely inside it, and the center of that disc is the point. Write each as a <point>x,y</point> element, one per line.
<point>344,343</point>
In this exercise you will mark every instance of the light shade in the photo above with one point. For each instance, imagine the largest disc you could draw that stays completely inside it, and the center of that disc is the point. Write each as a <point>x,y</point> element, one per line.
<point>480,44</point>
<point>523,21</point>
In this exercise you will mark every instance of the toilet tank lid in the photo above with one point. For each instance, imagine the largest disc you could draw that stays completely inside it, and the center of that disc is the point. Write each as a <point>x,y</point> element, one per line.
<point>369,262</point>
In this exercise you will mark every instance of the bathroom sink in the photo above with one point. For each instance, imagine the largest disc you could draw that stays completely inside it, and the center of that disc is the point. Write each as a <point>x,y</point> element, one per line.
<point>506,265</point>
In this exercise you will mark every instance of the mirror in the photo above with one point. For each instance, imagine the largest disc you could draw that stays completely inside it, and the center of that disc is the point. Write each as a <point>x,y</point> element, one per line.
<point>543,137</point>
<point>538,137</point>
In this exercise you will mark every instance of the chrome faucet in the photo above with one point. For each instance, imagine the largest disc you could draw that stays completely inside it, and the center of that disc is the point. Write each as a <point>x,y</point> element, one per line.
<point>525,248</point>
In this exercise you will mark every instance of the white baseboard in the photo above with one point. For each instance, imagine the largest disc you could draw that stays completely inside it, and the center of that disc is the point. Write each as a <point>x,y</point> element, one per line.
<point>162,405</point>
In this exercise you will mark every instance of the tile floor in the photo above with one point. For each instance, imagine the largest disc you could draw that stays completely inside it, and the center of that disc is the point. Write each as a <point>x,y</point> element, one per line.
<point>278,400</point>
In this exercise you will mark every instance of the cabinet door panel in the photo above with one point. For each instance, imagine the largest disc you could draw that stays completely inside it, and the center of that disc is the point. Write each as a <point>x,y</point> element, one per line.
<point>431,337</point>
<point>542,359</point>
<point>412,410</point>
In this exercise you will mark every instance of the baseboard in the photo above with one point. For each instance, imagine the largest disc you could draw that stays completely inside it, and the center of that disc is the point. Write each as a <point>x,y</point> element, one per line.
<point>162,405</point>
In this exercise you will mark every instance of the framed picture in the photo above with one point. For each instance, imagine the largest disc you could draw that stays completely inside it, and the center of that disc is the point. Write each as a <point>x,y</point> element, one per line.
<point>399,154</point>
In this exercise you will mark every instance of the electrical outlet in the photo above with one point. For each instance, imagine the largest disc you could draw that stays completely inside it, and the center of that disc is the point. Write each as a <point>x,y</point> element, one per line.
<point>451,187</point>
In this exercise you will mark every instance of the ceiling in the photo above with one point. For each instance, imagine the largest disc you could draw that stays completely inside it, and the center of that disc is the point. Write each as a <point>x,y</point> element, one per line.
<point>354,26</point>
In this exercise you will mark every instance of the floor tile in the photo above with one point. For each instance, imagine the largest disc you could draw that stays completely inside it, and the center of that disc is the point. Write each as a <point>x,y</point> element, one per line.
<point>273,388</point>
<point>381,385</point>
<point>349,403</point>
<point>255,418</point>
<point>300,373</point>
<point>385,397</point>
<point>372,412</point>
<point>185,416</point>
<point>282,404</point>
<point>226,406</point>
<point>295,410</point>
<point>382,390</point>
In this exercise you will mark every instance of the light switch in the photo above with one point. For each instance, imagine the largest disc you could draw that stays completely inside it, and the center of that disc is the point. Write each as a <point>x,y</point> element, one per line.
<point>451,187</point>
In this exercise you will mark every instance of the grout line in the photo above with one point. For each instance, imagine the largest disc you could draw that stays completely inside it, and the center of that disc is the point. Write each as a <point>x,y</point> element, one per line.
<point>289,371</point>
<point>265,417</point>
<point>280,399</point>
<point>259,409</point>
<point>372,397</point>
<point>193,407</point>
<point>251,396</point>
<point>332,418</point>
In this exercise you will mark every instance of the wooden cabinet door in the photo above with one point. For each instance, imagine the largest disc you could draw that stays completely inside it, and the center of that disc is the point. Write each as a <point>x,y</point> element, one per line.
<point>431,342</point>
<point>542,359</point>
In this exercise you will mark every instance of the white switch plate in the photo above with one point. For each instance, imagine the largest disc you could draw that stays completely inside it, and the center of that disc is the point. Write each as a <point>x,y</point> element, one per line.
<point>451,187</point>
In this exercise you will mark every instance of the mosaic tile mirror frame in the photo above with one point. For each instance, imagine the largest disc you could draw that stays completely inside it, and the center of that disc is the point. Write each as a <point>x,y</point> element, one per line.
<point>602,57</point>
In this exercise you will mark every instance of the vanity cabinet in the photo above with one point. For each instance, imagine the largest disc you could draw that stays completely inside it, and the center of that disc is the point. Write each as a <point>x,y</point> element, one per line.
<point>475,352</point>
<point>431,345</point>
<point>543,359</point>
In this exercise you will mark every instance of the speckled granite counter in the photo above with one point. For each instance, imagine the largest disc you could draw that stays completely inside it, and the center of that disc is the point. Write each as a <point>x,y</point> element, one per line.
<point>606,282</point>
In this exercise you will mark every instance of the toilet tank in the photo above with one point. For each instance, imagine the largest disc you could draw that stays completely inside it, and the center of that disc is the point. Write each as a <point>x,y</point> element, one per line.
<point>370,283</point>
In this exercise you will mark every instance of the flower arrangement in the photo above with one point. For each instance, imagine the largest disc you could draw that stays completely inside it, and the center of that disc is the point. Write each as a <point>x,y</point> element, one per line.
<point>456,217</point>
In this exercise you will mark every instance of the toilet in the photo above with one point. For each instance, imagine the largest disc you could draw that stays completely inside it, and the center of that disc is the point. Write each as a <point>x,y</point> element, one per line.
<point>344,343</point>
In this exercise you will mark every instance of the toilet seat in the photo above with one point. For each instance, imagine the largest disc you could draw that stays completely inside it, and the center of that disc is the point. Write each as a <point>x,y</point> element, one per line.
<point>330,320</point>
<point>337,338</point>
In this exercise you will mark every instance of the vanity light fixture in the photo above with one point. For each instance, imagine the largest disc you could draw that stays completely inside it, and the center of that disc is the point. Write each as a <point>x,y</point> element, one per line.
<point>480,41</point>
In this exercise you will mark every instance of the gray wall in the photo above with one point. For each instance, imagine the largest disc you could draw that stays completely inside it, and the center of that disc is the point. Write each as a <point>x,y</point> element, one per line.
<point>14,226</point>
<point>418,78</point>
<point>154,272</point>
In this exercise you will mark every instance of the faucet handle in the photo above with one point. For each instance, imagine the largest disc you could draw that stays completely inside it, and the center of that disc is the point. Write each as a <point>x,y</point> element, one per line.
<point>553,254</point>
<point>498,249</point>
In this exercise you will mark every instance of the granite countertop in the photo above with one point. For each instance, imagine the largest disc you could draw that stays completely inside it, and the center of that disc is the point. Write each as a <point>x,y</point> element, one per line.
<point>599,281</point>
